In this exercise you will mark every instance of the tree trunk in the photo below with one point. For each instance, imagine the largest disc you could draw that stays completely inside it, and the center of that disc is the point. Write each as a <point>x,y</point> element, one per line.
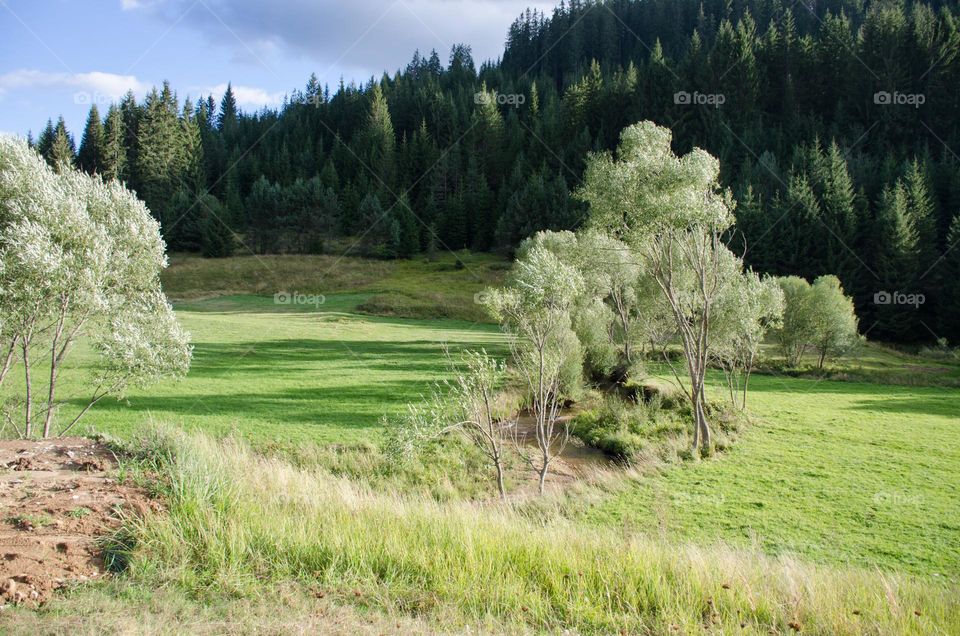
<point>543,477</point>
<point>8,361</point>
<point>52,392</point>
<point>498,463</point>
<point>701,438</point>
<point>28,407</point>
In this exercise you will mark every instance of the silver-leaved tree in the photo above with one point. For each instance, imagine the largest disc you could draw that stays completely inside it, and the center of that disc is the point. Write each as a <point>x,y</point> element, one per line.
<point>80,262</point>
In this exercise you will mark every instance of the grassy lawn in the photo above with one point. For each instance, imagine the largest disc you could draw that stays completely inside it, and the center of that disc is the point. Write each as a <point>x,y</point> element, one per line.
<point>841,472</point>
<point>838,471</point>
<point>288,373</point>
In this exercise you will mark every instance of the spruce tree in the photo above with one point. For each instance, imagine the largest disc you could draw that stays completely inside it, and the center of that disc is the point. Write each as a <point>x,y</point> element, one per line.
<point>949,274</point>
<point>895,262</point>
<point>90,157</point>
<point>839,206</point>
<point>376,146</point>
<point>216,237</point>
<point>45,140</point>
<point>408,236</point>
<point>114,157</point>
<point>160,150</point>
<point>193,175</point>
<point>63,154</point>
<point>227,118</point>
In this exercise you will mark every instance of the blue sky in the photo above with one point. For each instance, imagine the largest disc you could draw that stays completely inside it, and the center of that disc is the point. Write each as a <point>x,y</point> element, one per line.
<point>58,56</point>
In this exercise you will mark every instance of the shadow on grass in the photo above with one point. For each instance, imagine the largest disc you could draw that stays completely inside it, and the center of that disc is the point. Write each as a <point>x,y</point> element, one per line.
<point>920,400</point>
<point>213,360</point>
<point>356,407</point>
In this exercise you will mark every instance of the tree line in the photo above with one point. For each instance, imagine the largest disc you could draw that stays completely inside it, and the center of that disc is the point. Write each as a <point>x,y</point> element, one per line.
<point>834,123</point>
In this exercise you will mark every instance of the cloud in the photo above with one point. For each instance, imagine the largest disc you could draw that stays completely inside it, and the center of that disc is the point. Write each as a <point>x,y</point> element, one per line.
<point>364,37</point>
<point>248,97</point>
<point>132,5</point>
<point>95,86</point>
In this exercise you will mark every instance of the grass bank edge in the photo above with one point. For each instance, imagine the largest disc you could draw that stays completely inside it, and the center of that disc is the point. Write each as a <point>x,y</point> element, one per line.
<point>237,521</point>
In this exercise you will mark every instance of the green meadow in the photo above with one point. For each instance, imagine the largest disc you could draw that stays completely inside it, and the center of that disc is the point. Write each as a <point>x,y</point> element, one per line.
<point>839,471</point>
<point>295,376</point>
<point>841,481</point>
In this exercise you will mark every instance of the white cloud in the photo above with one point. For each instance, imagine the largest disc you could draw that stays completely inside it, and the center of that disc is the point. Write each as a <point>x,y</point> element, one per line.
<point>95,86</point>
<point>132,5</point>
<point>248,97</point>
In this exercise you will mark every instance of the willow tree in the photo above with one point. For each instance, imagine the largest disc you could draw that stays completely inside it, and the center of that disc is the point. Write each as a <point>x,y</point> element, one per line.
<point>672,213</point>
<point>80,260</point>
<point>535,307</point>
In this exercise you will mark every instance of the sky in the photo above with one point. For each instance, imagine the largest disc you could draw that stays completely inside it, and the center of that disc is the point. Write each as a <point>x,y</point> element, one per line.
<point>60,56</point>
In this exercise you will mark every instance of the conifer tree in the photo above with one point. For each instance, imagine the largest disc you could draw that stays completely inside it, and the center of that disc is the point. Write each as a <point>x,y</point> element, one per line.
<point>408,229</point>
<point>45,140</point>
<point>63,153</point>
<point>114,157</point>
<point>216,237</point>
<point>377,144</point>
<point>895,252</point>
<point>160,150</point>
<point>949,274</point>
<point>227,118</point>
<point>90,157</point>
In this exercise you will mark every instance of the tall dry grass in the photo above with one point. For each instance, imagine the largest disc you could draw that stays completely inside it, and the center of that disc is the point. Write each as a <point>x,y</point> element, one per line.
<point>238,521</point>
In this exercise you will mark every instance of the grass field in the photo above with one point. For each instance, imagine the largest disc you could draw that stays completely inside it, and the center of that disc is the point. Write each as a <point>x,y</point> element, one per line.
<point>840,472</point>
<point>319,376</point>
<point>847,476</point>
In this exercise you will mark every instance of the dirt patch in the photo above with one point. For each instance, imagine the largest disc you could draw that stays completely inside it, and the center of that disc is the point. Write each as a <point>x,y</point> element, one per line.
<point>575,459</point>
<point>57,497</point>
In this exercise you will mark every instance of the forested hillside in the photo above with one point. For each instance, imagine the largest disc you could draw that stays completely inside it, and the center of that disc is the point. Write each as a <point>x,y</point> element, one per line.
<point>835,125</point>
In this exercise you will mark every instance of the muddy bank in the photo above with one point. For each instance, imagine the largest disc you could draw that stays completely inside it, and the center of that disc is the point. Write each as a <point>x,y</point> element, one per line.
<point>57,498</point>
<point>576,458</point>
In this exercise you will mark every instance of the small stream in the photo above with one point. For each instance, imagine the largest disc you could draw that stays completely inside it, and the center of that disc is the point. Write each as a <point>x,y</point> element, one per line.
<point>577,455</point>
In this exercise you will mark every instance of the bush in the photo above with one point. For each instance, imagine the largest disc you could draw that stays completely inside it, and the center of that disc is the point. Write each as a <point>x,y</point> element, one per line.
<point>623,429</point>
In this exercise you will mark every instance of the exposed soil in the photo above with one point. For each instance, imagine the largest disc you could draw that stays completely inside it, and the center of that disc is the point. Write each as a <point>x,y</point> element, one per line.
<point>57,498</point>
<point>576,459</point>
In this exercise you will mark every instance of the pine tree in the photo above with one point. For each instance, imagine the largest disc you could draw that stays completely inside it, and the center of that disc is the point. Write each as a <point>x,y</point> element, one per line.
<point>160,150</point>
<point>839,205</point>
<point>114,156</point>
<point>376,227</point>
<point>216,237</point>
<point>377,144</point>
<point>895,253</point>
<point>131,113</point>
<point>45,140</point>
<point>63,153</point>
<point>805,250</point>
<point>949,275</point>
<point>408,235</point>
<point>227,119</point>
<point>90,157</point>
<point>194,175</point>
